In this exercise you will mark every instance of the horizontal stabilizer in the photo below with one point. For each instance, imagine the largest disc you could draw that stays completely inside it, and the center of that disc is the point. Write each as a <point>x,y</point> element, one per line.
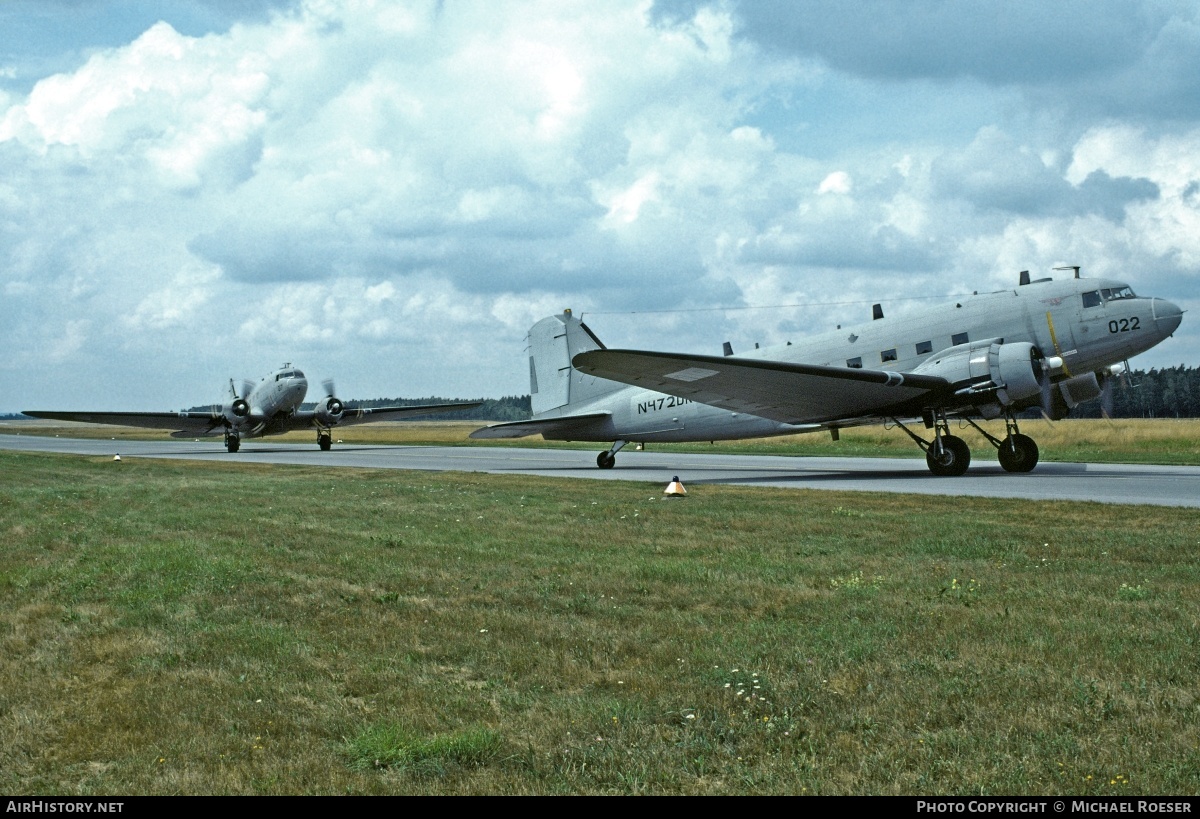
<point>520,429</point>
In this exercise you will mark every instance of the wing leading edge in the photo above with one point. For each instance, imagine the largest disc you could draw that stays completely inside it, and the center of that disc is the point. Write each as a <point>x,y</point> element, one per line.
<point>215,422</point>
<point>200,422</point>
<point>303,419</point>
<point>779,390</point>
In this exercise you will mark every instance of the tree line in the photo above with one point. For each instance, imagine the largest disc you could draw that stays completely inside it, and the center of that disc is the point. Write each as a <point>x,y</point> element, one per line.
<point>508,408</point>
<point>1173,392</point>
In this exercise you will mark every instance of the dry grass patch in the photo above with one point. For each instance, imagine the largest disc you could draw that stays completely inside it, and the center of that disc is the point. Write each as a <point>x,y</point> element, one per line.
<point>1166,441</point>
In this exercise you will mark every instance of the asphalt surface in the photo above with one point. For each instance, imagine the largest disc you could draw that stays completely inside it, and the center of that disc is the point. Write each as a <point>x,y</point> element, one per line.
<point>1104,483</point>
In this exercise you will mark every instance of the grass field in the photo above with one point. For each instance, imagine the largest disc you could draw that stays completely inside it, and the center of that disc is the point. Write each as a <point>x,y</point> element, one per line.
<point>1164,441</point>
<point>198,628</point>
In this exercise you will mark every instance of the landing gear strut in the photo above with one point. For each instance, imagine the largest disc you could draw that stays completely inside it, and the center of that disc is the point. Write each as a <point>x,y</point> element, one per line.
<point>946,455</point>
<point>324,439</point>
<point>608,458</point>
<point>1017,452</point>
<point>232,441</point>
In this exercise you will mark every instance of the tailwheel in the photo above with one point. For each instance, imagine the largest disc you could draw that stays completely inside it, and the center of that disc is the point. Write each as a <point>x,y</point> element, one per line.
<point>607,458</point>
<point>1018,453</point>
<point>324,441</point>
<point>948,456</point>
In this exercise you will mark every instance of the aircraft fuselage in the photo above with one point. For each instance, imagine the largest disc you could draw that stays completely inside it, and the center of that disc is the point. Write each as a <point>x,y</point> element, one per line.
<point>1086,324</point>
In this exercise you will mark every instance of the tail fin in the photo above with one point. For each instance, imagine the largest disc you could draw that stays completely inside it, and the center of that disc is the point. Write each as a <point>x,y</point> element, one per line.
<point>553,382</point>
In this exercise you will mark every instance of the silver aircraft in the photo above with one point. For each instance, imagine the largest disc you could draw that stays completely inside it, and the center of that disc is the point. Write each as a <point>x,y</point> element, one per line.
<point>270,407</point>
<point>1045,343</point>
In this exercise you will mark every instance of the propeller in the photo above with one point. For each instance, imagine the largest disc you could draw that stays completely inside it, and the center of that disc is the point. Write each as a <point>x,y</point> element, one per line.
<point>333,403</point>
<point>1047,366</point>
<point>1117,372</point>
<point>238,404</point>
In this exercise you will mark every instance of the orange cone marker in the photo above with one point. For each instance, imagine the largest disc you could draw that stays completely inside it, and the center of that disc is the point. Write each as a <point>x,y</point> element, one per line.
<point>675,488</point>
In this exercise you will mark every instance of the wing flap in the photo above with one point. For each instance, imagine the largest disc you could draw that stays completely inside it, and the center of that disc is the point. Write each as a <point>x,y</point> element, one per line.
<point>779,390</point>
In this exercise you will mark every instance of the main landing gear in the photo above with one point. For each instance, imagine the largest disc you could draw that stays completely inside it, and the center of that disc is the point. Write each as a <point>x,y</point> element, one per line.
<point>232,441</point>
<point>324,439</point>
<point>946,455</point>
<point>949,455</point>
<point>1017,452</point>
<point>608,458</point>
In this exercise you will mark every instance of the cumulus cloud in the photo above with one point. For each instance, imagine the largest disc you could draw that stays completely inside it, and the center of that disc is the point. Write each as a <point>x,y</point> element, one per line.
<point>346,182</point>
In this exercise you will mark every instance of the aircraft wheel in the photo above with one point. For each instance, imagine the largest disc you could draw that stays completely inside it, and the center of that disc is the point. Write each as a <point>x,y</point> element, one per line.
<point>606,460</point>
<point>325,442</point>
<point>233,444</point>
<point>952,460</point>
<point>1018,454</point>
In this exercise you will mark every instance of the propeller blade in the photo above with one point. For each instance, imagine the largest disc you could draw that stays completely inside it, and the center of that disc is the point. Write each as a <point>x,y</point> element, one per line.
<point>1106,398</point>
<point>247,386</point>
<point>1047,406</point>
<point>328,385</point>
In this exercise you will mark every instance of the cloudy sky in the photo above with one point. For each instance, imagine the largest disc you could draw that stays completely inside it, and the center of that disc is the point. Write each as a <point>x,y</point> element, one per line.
<point>391,193</point>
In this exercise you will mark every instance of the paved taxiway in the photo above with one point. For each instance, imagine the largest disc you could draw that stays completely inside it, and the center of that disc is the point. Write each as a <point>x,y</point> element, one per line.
<point>1106,483</point>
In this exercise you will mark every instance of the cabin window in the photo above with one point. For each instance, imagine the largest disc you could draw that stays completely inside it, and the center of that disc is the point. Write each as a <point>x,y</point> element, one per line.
<point>924,347</point>
<point>854,363</point>
<point>959,338</point>
<point>1116,293</point>
<point>887,355</point>
<point>1091,298</point>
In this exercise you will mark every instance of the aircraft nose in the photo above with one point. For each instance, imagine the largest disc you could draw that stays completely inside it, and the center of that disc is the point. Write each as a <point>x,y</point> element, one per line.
<point>1167,315</point>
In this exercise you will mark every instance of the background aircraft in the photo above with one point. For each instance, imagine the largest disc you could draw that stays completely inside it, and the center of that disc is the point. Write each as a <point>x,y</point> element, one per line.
<point>270,407</point>
<point>1046,343</point>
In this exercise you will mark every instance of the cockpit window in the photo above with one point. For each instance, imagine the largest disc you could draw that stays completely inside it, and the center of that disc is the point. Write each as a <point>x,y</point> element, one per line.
<point>1115,293</point>
<point>1091,298</point>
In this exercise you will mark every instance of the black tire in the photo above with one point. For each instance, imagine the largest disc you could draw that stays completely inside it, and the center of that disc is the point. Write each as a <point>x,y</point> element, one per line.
<point>233,444</point>
<point>324,442</point>
<point>952,460</point>
<point>606,460</point>
<point>1018,454</point>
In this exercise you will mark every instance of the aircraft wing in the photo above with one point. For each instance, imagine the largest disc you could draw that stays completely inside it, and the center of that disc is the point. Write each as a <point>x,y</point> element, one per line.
<point>519,429</point>
<point>196,422</point>
<point>365,415</point>
<point>779,390</point>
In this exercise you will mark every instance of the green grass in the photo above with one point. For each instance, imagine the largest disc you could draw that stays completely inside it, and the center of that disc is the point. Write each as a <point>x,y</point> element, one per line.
<point>239,629</point>
<point>393,746</point>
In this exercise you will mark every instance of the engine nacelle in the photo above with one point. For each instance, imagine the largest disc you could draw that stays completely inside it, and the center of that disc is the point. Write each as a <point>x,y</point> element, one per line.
<point>999,374</point>
<point>237,410</point>
<point>329,411</point>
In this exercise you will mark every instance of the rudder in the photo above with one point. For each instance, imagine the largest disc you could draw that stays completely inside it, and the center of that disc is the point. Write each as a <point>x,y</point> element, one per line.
<point>553,382</point>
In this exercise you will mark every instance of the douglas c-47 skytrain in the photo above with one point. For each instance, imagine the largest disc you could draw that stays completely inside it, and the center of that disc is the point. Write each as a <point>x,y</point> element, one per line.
<point>1045,343</point>
<point>270,407</point>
